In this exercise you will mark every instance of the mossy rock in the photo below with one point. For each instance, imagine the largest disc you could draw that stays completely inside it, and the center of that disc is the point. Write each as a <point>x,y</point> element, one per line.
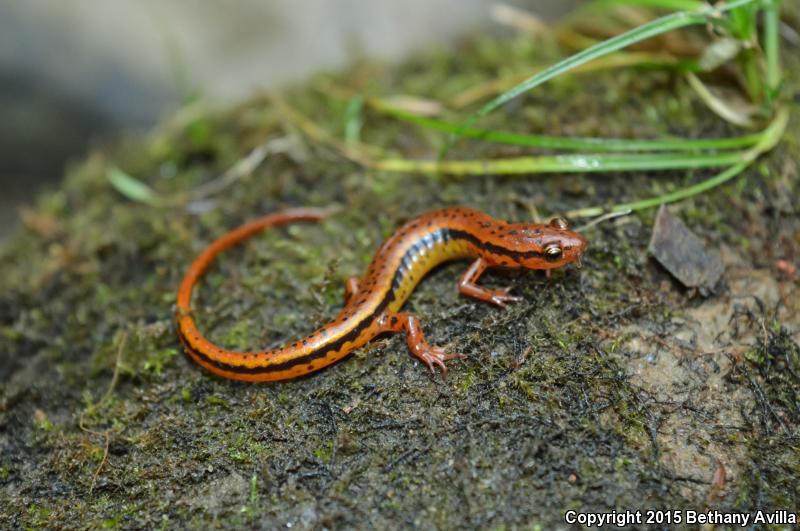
<point>608,387</point>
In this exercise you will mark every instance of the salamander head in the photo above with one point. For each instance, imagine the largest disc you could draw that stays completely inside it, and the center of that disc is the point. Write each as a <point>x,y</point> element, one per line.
<point>549,246</point>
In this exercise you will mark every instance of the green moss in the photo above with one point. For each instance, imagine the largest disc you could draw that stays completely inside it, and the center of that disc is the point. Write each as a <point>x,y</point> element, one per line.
<point>155,362</point>
<point>39,515</point>
<point>42,422</point>
<point>217,401</point>
<point>324,452</point>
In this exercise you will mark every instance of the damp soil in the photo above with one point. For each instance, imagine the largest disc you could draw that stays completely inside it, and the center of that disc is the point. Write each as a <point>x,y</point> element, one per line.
<point>609,387</point>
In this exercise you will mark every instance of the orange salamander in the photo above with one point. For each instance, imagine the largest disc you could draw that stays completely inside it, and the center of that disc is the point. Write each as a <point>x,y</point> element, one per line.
<point>372,303</point>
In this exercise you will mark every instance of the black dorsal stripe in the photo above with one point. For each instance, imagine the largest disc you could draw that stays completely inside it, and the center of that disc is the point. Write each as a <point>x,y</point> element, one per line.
<point>492,247</point>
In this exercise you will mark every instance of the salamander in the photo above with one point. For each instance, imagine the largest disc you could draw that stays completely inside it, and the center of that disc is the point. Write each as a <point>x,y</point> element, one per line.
<point>373,302</point>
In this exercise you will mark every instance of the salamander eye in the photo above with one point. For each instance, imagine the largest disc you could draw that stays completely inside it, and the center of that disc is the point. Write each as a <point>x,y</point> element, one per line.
<point>559,223</point>
<point>552,251</point>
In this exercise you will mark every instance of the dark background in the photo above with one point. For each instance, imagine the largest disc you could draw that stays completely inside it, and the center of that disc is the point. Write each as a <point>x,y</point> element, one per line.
<point>72,74</point>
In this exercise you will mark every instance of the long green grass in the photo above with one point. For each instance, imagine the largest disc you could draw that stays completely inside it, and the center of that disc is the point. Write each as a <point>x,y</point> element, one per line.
<point>758,58</point>
<point>758,61</point>
<point>703,15</point>
<point>768,140</point>
<point>573,143</point>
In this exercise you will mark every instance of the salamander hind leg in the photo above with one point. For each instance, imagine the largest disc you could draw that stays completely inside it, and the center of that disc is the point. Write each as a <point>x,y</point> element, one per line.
<point>467,286</point>
<point>419,347</point>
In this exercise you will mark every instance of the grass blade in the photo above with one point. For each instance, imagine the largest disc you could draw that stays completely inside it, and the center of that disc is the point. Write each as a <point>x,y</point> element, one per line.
<point>131,187</point>
<point>573,143</point>
<point>353,120</point>
<point>770,137</point>
<point>772,20</point>
<point>579,163</point>
<point>611,61</point>
<point>656,27</point>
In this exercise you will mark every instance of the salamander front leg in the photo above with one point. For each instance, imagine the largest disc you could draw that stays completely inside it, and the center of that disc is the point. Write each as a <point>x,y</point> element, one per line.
<point>351,286</point>
<point>430,356</point>
<point>467,286</point>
